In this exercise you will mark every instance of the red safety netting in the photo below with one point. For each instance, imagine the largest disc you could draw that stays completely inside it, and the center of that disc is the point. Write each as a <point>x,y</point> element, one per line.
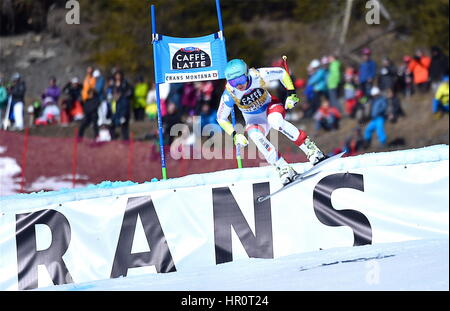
<point>49,163</point>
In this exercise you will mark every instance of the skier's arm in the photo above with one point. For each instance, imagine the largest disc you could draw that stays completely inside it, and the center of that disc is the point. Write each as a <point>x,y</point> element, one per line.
<point>224,111</point>
<point>278,73</point>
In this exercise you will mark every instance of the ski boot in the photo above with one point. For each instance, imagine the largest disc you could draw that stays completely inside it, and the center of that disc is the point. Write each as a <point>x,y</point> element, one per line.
<point>312,152</point>
<point>285,171</point>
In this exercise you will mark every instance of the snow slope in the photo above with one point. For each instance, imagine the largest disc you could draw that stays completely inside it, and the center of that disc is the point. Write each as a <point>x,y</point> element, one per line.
<point>403,266</point>
<point>409,265</point>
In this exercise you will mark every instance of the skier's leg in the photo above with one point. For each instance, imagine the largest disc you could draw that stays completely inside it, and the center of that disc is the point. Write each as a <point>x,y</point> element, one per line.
<point>275,117</point>
<point>257,134</point>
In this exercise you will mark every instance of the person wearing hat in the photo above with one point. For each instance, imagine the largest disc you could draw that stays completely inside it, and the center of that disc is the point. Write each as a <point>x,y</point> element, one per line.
<point>52,90</point>
<point>333,81</point>
<point>419,67</point>
<point>318,82</point>
<point>72,99</point>
<point>377,117</point>
<point>248,89</point>
<point>367,71</point>
<point>17,92</point>
<point>50,112</point>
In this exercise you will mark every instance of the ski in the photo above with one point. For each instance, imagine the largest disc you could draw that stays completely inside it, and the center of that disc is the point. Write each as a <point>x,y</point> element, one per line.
<point>298,178</point>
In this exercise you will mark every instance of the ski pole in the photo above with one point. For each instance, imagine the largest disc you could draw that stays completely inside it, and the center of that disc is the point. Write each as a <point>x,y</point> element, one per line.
<point>284,57</point>
<point>8,110</point>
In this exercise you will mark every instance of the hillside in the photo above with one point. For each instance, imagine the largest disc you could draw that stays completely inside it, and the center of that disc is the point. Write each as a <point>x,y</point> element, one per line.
<point>417,129</point>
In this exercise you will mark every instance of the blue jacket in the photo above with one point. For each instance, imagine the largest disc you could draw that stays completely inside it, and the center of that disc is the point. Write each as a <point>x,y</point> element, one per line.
<point>379,106</point>
<point>367,70</point>
<point>3,96</point>
<point>318,80</point>
<point>99,87</point>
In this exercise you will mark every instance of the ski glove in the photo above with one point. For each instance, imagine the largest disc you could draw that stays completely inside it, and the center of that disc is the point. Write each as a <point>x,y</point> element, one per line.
<point>240,139</point>
<point>291,101</point>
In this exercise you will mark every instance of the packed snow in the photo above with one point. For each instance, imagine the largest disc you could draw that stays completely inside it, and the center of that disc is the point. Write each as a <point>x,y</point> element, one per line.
<point>402,266</point>
<point>421,264</point>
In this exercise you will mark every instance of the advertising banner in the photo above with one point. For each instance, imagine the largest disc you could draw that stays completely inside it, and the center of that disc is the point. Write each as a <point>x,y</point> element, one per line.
<point>192,228</point>
<point>189,59</point>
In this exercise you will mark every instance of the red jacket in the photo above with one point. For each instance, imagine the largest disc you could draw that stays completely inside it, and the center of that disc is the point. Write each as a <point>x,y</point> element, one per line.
<point>420,69</point>
<point>323,112</point>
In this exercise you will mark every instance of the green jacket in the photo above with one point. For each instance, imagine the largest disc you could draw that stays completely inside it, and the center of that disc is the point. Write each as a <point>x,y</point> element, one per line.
<point>3,96</point>
<point>334,74</point>
<point>140,95</point>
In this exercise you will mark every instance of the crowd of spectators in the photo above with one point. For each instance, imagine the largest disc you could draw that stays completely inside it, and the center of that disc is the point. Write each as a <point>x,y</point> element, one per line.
<point>368,92</point>
<point>107,104</point>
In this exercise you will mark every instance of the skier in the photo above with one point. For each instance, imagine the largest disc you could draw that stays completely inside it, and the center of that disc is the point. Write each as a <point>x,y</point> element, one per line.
<point>247,88</point>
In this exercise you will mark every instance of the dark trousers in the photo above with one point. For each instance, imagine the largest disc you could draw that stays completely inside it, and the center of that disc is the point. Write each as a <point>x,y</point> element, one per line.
<point>124,129</point>
<point>87,120</point>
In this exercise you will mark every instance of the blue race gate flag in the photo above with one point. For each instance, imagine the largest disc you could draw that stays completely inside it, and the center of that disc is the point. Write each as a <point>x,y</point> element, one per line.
<point>180,60</point>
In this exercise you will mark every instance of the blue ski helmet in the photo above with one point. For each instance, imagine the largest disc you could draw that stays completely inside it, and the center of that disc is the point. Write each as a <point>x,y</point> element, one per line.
<point>235,68</point>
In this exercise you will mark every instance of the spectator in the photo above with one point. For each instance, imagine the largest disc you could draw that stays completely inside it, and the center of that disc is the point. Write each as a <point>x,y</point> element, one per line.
<point>139,103</point>
<point>88,83</point>
<point>438,67</point>
<point>362,109</point>
<point>151,110</point>
<point>90,114</point>
<point>440,100</point>
<point>354,142</point>
<point>394,109</point>
<point>387,76</point>
<point>327,117</point>
<point>122,94</point>
<point>52,91</point>
<point>17,93</point>
<point>367,72</point>
<point>419,67</point>
<point>378,111</point>
<point>3,100</point>
<point>318,83</point>
<point>208,116</point>
<point>206,89</point>
<point>333,81</point>
<point>35,111</point>
<point>99,84</point>
<point>164,91</point>
<point>350,94</point>
<point>50,112</point>
<point>189,99</point>
<point>404,81</point>
<point>71,108</point>
<point>172,117</point>
<point>175,94</point>
<point>104,110</point>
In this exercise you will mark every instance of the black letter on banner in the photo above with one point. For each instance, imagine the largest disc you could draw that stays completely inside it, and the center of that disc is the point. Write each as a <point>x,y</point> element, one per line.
<point>28,257</point>
<point>159,256</point>
<point>227,213</point>
<point>362,231</point>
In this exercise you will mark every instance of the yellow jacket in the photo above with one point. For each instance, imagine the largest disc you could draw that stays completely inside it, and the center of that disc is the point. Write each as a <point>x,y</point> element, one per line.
<point>442,94</point>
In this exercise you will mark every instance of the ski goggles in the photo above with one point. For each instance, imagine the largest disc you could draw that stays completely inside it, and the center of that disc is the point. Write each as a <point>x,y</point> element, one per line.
<point>238,81</point>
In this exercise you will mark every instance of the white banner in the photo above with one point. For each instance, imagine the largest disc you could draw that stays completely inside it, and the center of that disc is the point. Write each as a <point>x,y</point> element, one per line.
<point>195,227</point>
